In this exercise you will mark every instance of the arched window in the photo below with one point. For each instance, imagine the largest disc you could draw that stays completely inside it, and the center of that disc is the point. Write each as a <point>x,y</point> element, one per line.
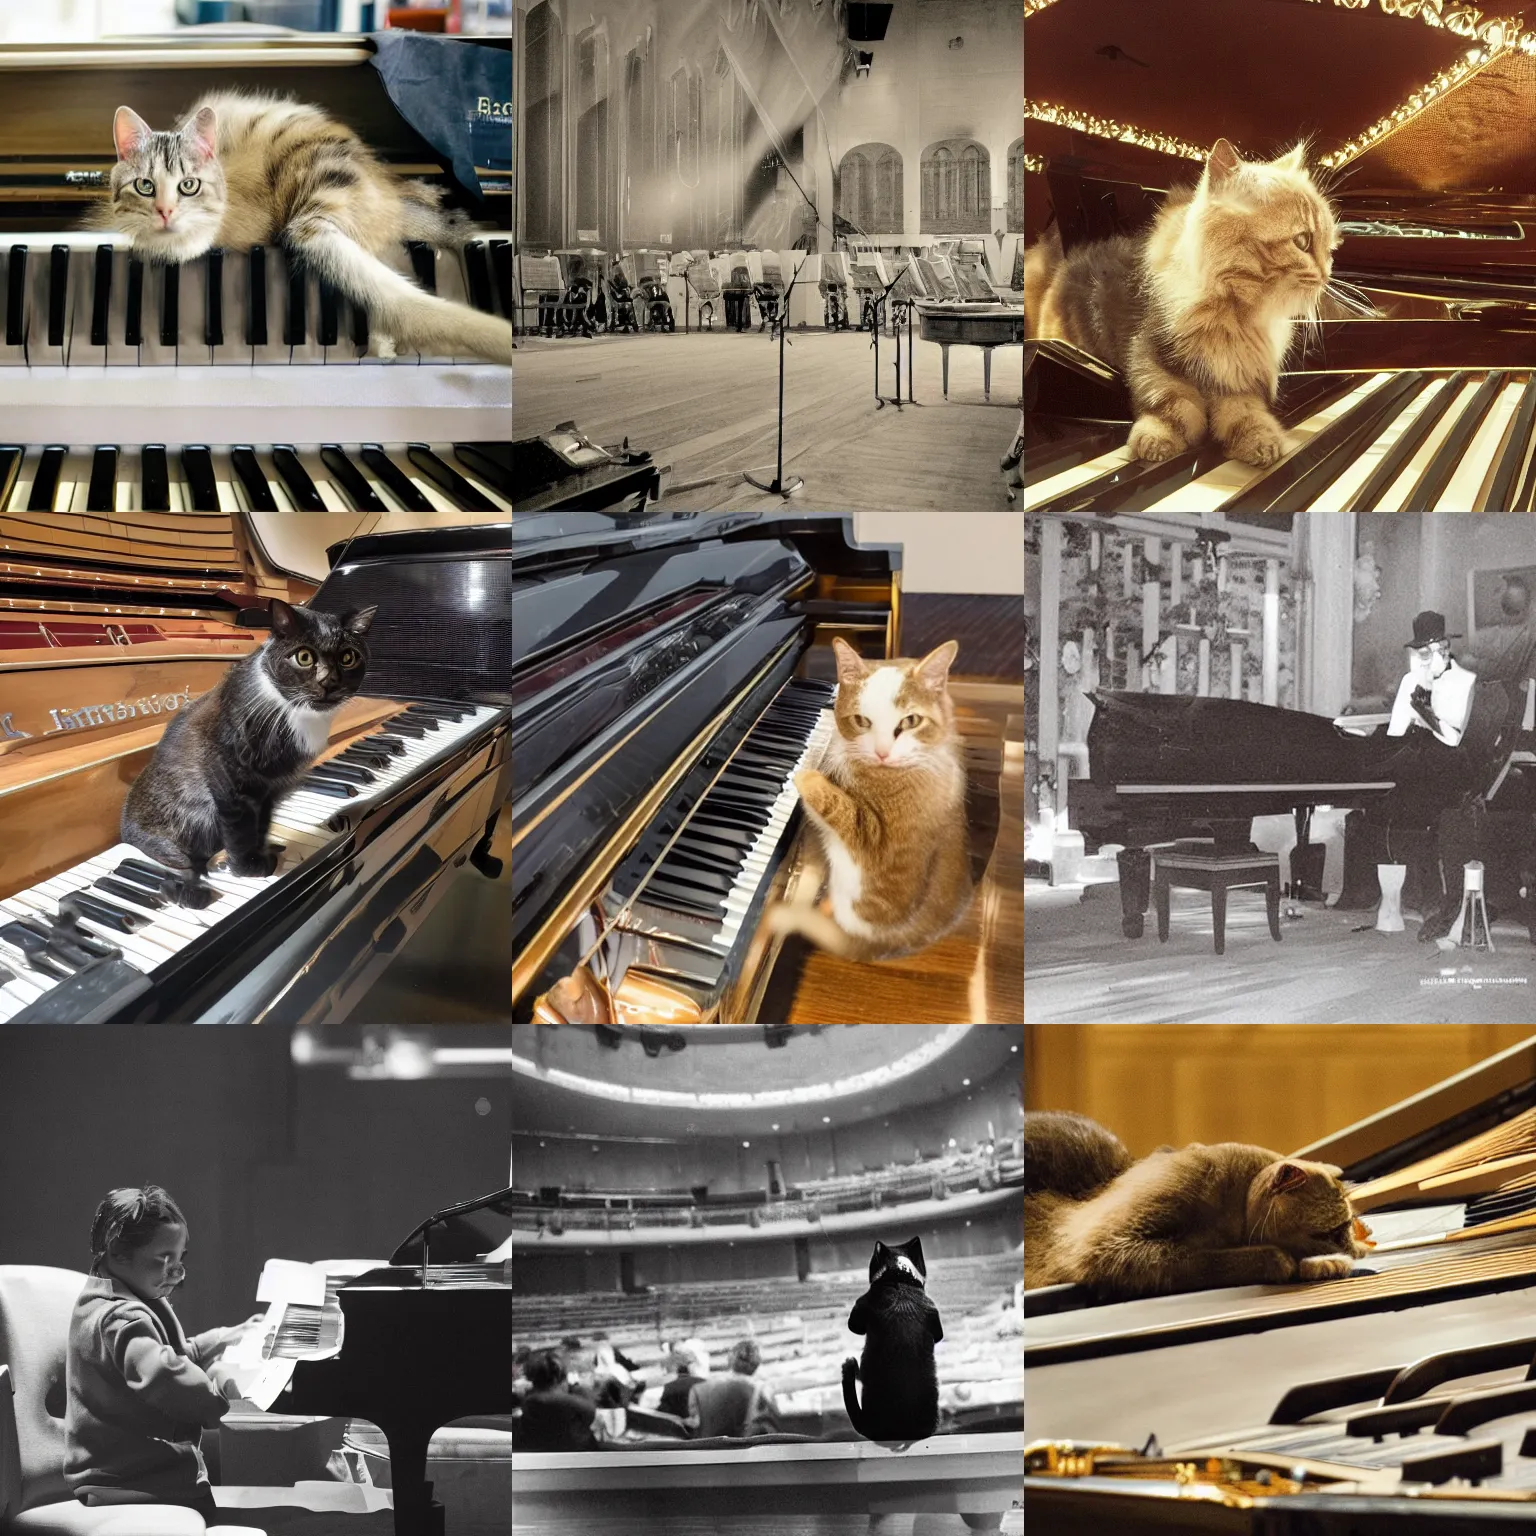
<point>1016,187</point>
<point>593,215</point>
<point>640,203</point>
<point>869,190</point>
<point>957,188</point>
<point>543,129</point>
<point>681,167</point>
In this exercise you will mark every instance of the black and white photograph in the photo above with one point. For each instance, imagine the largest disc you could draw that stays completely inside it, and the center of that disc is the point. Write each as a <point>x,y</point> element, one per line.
<point>766,248</point>
<point>252,766</point>
<point>767,1280</point>
<point>1279,768</point>
<point>254,1281</point>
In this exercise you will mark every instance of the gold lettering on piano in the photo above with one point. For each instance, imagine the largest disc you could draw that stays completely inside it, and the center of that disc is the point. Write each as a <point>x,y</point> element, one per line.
<point>88,715</point>
<point>488,108</point>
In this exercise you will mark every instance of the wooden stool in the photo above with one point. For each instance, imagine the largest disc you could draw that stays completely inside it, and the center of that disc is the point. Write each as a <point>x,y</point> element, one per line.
<point>1217,873</point>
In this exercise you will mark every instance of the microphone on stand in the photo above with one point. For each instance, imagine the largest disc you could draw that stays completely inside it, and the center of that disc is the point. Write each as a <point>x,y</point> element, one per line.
<point>779,486</point>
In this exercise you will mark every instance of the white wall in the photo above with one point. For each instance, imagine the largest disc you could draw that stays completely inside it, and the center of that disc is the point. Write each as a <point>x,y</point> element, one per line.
<point>81,21</point>
<point>979,552</point>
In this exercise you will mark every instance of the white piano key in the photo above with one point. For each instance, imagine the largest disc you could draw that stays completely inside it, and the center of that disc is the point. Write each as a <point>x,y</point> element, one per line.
<point>1399,495</point>
<point>1069,479</point>
<point>1469,484</point>
<point>1336,497</point>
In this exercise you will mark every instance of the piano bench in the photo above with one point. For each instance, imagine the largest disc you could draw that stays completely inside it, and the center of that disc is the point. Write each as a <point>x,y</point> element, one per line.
<point>1217,873</point>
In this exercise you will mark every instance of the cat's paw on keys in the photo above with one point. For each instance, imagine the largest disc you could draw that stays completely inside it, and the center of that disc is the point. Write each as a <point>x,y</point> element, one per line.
<point>1324,1266</point>
<point>259,866</point>
<point>1153,440</point>
<point>1259,442</point>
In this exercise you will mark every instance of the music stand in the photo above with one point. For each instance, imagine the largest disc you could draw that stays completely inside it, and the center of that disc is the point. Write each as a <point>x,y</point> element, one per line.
<point>779,485</point>
<point>880,399</point>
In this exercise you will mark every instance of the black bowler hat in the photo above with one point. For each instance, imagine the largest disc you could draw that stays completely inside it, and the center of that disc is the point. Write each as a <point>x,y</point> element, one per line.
<point>1428,627</point>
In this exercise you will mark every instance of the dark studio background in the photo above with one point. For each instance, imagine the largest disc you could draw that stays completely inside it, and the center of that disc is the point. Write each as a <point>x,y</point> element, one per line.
<point>267,1159</point>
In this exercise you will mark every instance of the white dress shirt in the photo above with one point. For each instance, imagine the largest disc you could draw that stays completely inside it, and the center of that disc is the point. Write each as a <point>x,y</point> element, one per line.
<point>1450,697</point>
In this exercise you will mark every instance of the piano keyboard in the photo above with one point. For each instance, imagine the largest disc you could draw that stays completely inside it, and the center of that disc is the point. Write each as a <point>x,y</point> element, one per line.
<point>323,477</point>
<point>81,299</point>
<point>119,897</point>
<point>1387,442</point>
<point>692,882</point>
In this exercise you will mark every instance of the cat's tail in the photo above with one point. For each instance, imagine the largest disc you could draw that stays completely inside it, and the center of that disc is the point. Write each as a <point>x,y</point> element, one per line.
<point>412,319</point>
<point>851,1395</point>
<point>1070,1155</point>
<point>1041,262</point>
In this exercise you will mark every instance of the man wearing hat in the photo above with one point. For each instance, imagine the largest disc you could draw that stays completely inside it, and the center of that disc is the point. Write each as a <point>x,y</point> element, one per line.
<point>1435,694</point>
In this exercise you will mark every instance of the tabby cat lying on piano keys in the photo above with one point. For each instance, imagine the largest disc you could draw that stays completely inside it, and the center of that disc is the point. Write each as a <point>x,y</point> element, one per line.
<point>1228,1214</point>
<point>243,170</point>
<point>889,811</point>
<point>230,755</point>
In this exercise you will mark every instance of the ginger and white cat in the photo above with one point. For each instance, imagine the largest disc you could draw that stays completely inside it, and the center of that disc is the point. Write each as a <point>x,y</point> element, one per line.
<point>888,810</point>
<point>243,169</point>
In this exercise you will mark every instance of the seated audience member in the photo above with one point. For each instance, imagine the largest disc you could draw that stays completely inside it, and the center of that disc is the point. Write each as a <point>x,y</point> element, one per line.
<point>554,1419</point>
<point>691,1361</point>
<point>520,1383</point>
<point>733,1404</point>
<point>609,1366</point>
<point>612,1413</point>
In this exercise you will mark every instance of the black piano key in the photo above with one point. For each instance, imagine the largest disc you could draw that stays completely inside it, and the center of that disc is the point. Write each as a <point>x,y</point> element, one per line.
<point>352,481</point>
<point>441,711</point>
<point>399,484</point>
<point>197,466</point>
<point>501,266</point>
<point>257,491</point>
<point>1449,454</point>
<point>294,332</point>
<point>98,909</point>
<point>58,294</point>
<point>1474,1461</point>
<point>70,930</point>
<point>133,309</point>
<point>319,785</point>
<point>1408,444</point>
<point>15,297</point>
<point>101,496</point>
<point>478,270</point>
<point>350,773</point>
<point>45,484</point>
<point>101,296</point>
<point>154,479</point>
<point>170,306</point>
<point>147,877</point>
<point>1501,493</point>
<point>382,741</point>
<point>6,975</point>
<point>35,947</point>
<point>686,898</point>
<point>125,890</point>
<point>330,307</point>
<point>1318,463</point>
<point>296,478</point>
<point>1525,500</point>
<point>491,461</point>
<point>1138,485</point>
<point>408,728</point>
<point>423,264</point>
<point>256,297</point>
<point>448,480</point>
<point>10,470</point>
<point>359,327</point>
<point>213,315</point>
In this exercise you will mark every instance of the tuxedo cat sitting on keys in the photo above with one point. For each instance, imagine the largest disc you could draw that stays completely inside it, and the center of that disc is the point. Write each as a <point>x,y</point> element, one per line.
<point>229,756</point>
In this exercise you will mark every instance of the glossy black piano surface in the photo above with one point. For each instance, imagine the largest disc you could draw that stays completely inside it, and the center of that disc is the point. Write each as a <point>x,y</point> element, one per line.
<point>646,650</point>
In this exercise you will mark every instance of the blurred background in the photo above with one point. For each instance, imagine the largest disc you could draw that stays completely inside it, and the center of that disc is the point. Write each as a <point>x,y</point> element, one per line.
<point>80,21</point>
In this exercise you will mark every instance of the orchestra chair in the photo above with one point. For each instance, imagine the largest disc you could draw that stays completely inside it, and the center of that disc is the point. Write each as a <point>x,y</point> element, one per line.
<point>538,278</point>
<point>35,1306</point>
<point>1009,274</point>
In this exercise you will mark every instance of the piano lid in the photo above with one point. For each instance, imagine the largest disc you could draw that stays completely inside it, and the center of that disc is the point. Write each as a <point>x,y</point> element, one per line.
<point>1264,73</point>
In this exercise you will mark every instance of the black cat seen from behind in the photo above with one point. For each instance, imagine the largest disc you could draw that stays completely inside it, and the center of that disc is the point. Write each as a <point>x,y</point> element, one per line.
<point>901,1325</point>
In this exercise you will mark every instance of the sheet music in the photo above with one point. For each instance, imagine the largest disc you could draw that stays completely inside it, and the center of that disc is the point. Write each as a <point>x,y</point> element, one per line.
<point>288,1280</point>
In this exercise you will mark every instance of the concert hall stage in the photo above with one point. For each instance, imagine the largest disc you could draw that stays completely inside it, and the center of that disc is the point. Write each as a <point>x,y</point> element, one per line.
<point>704,405</point>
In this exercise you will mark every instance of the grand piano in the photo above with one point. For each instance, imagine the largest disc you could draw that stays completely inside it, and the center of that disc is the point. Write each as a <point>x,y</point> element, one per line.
<point>113,625</point>
<point>1415,393</point>
<point>1162,767</point>
<point>669,675</point>
<point>408,1346</point>
<point>1397,1399</point>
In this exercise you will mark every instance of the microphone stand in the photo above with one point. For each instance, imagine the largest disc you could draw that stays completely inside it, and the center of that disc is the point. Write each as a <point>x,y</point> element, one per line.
<point>779,485</point>
<point>881,400</point>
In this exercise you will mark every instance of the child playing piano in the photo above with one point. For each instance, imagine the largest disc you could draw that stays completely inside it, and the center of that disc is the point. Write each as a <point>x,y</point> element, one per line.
<point>139,1391</point>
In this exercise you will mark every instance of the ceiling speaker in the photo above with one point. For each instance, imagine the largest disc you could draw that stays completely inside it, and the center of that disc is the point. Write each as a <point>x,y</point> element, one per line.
<point>867,23</point>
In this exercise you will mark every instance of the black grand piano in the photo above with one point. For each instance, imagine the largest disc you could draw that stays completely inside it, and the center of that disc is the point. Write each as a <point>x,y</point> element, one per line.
<point>1418,393</point>
<point>421,1344</point>
<point>667,682</point>
<point>371,839</point>
<point>1163,767</point>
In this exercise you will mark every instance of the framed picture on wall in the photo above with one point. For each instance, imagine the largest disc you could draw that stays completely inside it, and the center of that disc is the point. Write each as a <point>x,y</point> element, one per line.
<point>1498,597</point>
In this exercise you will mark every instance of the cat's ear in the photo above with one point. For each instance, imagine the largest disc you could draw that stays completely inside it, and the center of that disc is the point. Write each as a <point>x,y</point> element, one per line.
<point>933,670</point>
<point>285,622</point>
<point>851,667</point>
<point>129,132</point>
<point>1221,166</point>
<point>201,135</point>
<point>360,621</point>
<point>1294,159</point>
<point>914,1251</point>
<point>1287,1176</point>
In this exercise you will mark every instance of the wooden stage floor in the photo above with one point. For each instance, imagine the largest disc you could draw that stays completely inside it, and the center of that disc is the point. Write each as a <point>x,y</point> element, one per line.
<point>705,405</point>
<point>1079,969</point>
